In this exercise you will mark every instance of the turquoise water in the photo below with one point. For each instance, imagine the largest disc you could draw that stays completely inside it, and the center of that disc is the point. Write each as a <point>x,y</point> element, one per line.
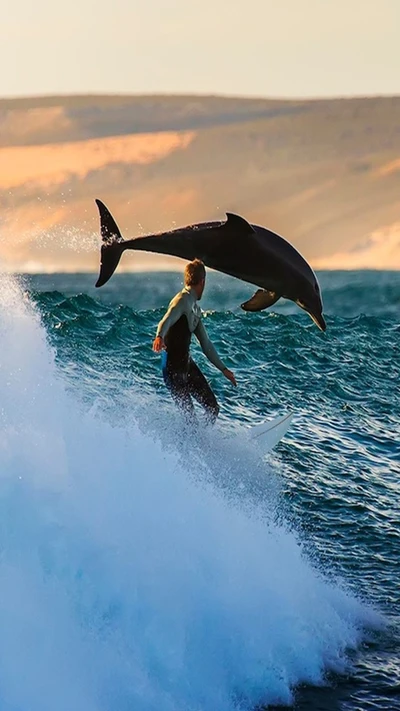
<point>148,570</point>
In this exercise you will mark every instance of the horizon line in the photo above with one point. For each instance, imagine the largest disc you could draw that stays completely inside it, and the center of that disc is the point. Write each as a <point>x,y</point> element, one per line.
<point>200,95</point>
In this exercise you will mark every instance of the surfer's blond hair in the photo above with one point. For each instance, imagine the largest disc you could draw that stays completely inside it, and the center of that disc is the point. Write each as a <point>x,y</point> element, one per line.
<point>194,272</point>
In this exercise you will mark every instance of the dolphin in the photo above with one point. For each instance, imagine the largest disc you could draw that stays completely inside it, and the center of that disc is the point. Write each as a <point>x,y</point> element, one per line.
<point>248,252</point>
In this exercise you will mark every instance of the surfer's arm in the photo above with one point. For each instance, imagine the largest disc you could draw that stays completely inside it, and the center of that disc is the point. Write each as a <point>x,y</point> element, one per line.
<point>208,348</point>
<point>175,311</point>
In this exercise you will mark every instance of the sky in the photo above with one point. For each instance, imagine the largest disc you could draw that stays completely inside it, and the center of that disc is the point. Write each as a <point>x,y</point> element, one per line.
<point>277,48</point>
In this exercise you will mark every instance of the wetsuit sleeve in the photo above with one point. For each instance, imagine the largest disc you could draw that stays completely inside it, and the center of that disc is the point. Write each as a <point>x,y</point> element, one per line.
<point>207,347</point>
<point>175,310</point>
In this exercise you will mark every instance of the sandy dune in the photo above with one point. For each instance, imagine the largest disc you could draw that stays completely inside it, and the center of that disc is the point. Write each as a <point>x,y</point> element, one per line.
<point>50,165</point>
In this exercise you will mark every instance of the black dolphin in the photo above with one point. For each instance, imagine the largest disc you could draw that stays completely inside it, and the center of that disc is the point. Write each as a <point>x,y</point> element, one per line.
<point>247,252</point>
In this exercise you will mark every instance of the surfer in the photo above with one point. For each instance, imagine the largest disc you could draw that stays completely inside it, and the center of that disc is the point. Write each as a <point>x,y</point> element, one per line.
<point>182,376</point>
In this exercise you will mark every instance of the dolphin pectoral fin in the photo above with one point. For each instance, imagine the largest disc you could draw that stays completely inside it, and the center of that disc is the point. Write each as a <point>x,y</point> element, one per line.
<point>260,300</point>
<point>112,247</point>
<point>239,224</point>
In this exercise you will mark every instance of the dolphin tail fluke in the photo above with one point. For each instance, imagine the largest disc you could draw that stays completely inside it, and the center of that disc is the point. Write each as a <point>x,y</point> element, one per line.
<point>112,247</point>
<point>260,300</point>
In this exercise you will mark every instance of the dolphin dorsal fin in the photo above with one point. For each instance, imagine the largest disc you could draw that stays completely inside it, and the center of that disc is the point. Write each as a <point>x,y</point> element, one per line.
<point>235,222</point>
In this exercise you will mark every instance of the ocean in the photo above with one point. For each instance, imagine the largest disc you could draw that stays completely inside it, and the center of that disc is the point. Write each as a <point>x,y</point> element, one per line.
<point>146,567</point>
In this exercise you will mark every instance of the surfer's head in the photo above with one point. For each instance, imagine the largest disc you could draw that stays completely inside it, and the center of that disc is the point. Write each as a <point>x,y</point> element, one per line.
<point>195,276</point>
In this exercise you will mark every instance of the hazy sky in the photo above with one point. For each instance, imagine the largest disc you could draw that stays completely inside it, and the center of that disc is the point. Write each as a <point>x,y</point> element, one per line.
<point>247,47</point>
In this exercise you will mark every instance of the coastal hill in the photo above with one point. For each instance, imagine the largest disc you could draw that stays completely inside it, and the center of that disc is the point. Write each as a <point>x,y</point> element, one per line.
<point>323,173</point>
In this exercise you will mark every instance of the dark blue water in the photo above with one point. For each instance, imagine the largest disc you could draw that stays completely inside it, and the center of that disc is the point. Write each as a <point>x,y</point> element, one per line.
<point>148,570</point>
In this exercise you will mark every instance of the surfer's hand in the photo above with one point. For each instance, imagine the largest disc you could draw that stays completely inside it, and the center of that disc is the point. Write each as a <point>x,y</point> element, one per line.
<point>158,344</point>
<point>228,374</point>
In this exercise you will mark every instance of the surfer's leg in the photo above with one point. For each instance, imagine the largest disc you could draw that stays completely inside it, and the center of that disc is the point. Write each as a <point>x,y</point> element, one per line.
<point>201,391</point>
<point>177,383</point>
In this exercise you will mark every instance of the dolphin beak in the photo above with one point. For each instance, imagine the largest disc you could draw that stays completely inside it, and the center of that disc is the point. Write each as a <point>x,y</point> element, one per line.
<point>319,321</point>
<point>316,315</point>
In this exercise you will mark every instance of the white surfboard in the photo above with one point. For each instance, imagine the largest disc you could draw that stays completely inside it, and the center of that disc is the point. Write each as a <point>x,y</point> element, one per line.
<point>267,434</point>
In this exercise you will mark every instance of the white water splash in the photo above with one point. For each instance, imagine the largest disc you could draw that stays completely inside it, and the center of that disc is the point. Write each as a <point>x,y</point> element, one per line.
<point>126,585</point>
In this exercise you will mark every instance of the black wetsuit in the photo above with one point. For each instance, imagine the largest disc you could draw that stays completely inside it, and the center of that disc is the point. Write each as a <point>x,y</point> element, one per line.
<point>181,374</point>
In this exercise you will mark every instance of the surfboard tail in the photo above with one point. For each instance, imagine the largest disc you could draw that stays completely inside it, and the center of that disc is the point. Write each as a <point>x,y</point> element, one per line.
<point>112,247</point>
